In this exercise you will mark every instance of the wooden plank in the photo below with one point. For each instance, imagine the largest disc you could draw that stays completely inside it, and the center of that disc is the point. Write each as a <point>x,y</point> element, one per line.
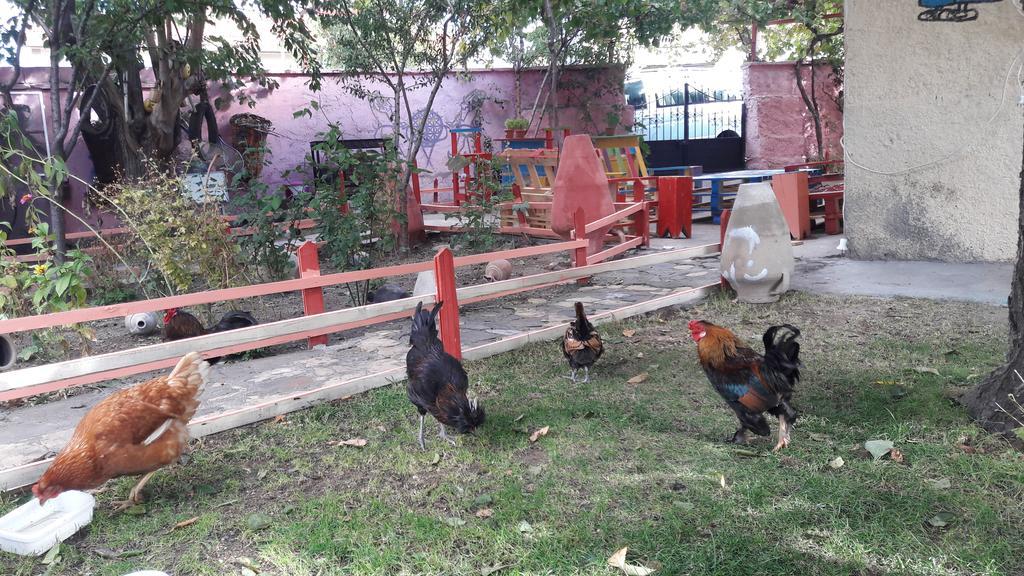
<point>27,474</point>
<point>614,217</point>
<point>222,351</point>
<point>589,270</point>
<point>101,312</point>
<point>291,327</point>
<point>615,250</point>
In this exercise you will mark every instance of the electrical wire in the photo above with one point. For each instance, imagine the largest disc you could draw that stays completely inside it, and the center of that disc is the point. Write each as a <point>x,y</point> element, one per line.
<point>961,150</point>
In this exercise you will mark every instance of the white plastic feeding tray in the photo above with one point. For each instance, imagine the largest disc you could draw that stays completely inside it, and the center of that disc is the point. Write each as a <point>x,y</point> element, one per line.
<point>31,529</point>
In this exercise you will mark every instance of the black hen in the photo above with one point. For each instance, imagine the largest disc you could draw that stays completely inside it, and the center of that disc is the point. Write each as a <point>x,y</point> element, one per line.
<point>179,324</point>
<point>581,345</point>
<point>437,383</point>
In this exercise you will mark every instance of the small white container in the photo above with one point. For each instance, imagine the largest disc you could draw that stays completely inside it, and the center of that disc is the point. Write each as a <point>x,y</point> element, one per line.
<point>31,529</point>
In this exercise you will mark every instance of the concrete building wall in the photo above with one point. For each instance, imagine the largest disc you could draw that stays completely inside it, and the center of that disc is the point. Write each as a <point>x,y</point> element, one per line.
<point>779,128</point>
<point>933,132</point>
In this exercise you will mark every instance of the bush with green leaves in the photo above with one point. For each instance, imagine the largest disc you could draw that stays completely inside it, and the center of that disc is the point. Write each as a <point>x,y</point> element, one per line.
<point>353,202</point>
<point>272,222</point>
<point>179,244</point>
<point>478,219</point>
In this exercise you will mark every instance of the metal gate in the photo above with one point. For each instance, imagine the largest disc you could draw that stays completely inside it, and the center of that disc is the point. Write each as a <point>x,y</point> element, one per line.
<point>692,127</point>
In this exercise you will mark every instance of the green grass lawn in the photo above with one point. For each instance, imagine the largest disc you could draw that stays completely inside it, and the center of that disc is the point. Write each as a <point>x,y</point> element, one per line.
<point>639,465</point>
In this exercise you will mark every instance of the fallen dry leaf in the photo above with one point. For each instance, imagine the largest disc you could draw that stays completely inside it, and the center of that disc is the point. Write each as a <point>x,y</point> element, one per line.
<point>497,567</point>
<point>836,463</point>
<point>484,513</point>
<point>926,370</point>
<point>721,480</point>
<point>184,523</point>
<point>356,442</point>
<point>520,417</point>
<point>538,433</point>
<point>279,419</point>
<point>638,378</point>
<point>896,455</point>
<point>628,333</point>
<point>618,560</point>
<point>639,354</point>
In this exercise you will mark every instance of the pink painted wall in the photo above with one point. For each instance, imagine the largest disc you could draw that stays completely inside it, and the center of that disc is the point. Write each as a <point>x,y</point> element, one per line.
<point>779,128</point>
<point>589,96</point>
<point>591,101</point>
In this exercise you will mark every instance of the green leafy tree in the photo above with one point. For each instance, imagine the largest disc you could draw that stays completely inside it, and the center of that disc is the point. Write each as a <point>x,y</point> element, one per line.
<point>403,46</point>
<point>101,42</point>
<point>814,37</point>
<point>582,32</point>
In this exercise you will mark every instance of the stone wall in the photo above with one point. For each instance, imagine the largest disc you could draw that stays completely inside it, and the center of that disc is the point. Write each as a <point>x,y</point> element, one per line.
<point>779,128</point>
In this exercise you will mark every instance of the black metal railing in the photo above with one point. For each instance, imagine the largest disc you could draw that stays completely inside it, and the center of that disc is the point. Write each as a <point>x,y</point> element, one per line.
<point>690,113</point>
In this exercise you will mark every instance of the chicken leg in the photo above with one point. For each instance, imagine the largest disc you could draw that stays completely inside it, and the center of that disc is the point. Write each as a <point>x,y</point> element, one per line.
<point>783,433</point>
<point>740,437</point>
<point>135,495</point>
<point>444,435</point>
<point>572,376</point>
<point>586,374</point>
<point>422,446</point>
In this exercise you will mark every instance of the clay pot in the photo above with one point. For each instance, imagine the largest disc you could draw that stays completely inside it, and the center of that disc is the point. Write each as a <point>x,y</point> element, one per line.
<point>509,133</point>
<point>757,257</point>
<point>498,270</point>
<point>519,133</point>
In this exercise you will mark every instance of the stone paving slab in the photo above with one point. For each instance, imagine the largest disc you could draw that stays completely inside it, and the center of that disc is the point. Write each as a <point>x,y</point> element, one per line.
<point>30,433</point>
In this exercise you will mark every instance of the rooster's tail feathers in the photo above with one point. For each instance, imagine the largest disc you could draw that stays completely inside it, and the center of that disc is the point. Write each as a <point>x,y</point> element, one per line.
<point>582,325</point>
<point>193,370</point>
<point>782,351</point>
<point>424,324</point>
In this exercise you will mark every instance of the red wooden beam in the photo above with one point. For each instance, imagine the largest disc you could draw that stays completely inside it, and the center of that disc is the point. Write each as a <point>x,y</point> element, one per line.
<point>444,276</point>
<point>312,298</point>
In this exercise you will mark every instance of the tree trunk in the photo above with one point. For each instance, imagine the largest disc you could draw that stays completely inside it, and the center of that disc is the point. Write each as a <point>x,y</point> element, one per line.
<point>554,55</point>
<point>812,106</point>
<point>405,175</point>
<point>996,402</point>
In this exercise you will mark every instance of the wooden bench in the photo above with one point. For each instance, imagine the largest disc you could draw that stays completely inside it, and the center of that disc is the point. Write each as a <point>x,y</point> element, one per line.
<point>533,172</point>
<point>801,205</point>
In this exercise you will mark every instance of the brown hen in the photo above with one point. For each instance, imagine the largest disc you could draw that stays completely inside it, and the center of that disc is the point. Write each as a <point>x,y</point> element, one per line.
<point>133,431</point>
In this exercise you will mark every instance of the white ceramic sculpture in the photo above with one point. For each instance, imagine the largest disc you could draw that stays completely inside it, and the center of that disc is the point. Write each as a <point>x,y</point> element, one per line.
<point>757,256</point>
<point>142,323</point>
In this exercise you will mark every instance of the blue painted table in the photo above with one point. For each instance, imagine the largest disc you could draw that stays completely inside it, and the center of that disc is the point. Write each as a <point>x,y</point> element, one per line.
<point>716,180</point>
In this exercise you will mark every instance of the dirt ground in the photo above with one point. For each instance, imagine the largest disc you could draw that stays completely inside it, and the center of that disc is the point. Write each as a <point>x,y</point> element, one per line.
<point>111,335</point>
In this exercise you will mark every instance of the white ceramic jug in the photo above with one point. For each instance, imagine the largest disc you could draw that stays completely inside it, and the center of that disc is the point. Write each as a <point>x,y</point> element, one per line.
<point>757,256</point>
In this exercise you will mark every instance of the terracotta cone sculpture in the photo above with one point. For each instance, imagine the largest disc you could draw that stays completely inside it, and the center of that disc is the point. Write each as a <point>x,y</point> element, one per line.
<point>757,257</point>
<point>580,183</point>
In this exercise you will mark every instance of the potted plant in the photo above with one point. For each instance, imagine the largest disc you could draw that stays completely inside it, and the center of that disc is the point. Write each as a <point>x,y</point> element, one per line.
<point>516,127</point>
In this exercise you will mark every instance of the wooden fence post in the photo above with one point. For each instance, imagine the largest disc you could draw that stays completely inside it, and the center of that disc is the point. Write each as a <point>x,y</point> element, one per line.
<point>312,298</point>
<point>791,191</point>
<point>444,277</point>
<point>723,225</point>
<point>580,223</point>
<point>642,219</point>
<point>580,254</point>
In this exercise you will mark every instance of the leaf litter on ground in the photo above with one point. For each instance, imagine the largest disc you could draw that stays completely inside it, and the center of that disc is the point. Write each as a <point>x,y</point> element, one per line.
<point>618,560</point>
